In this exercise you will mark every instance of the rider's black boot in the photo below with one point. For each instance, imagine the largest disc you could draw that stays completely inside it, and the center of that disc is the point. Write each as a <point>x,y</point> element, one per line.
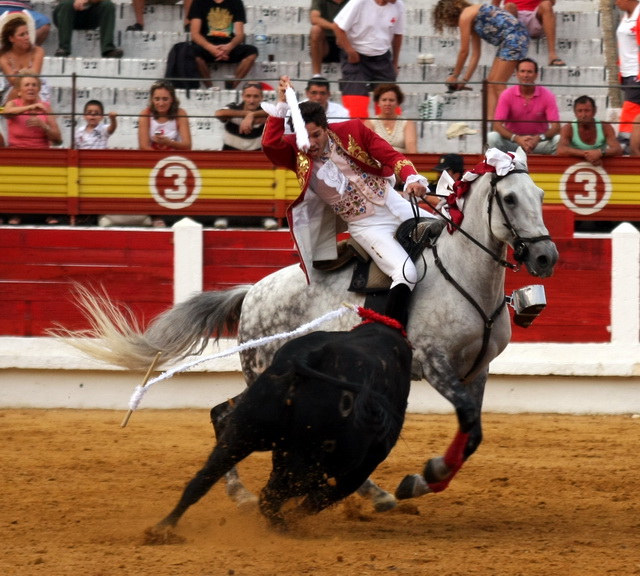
<point>398,304</point>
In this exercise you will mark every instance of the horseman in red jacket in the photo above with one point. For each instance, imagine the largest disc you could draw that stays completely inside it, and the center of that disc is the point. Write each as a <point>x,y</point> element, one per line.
<point>346,174</point>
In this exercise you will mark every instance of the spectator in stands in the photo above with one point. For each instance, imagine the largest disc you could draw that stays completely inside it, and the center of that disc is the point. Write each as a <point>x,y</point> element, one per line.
<point>163,125</point>
<point>243,126</point>
<point>138,10</point>
<point>30,123</point>
<point>628,35</point>
<point>527,115</point>
<point>244,122</point>
<point>452,164</point>
<point>70,15</point>
<point>538,17</point>
<point>319,90</point>
<point>42,23</point>
<point>322,38</point>
<point>370,34</point>
<point>94,134</point>
<point>399,132</point>
<point>19,53</point>
<point>477,22</point>
<point>588,138</point>
<point>634,144</point>
<point>217,30</point>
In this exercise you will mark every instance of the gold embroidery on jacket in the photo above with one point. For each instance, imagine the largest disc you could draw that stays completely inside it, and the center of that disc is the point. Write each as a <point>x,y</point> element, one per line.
<point>400,165</point>
<point>354,149</point>
<point>304,165</point>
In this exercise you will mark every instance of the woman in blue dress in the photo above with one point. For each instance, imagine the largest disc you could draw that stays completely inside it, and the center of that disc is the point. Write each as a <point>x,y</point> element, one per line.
<point>482,22</point>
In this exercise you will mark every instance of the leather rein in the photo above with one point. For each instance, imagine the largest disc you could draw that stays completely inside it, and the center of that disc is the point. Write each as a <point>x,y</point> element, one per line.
<point>520,251</point>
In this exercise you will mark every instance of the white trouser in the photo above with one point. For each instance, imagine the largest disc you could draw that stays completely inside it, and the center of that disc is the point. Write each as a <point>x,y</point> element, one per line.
<point>376,233</point>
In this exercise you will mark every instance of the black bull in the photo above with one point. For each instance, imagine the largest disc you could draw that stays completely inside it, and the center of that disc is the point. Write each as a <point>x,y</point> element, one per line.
<point>330,408</point>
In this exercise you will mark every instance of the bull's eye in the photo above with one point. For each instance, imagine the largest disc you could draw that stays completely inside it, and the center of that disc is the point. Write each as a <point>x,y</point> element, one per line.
<point>346,404</point>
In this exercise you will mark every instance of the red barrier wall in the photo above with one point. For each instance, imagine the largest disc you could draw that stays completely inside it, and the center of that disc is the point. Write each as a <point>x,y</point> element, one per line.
<point>38,267</point>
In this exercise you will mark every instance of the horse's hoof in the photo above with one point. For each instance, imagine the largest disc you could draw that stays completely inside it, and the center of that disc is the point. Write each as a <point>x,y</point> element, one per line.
<point>436,470</point>
<point>245,500</point>
<point>412,486</point>
<point>384,502</point>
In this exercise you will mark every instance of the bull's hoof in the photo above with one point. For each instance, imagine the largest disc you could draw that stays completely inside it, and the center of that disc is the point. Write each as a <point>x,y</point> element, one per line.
<point>161,535</point>
<point>412,486</point>
<point>384,502</point>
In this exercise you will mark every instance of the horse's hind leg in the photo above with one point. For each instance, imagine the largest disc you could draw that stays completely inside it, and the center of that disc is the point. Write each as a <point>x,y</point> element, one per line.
<point>234,487</point>
<point>381,500</point>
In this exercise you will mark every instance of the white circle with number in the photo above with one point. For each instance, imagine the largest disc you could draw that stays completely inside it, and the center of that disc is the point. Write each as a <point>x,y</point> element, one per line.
<point>585,189</point>
<point>175,182</point>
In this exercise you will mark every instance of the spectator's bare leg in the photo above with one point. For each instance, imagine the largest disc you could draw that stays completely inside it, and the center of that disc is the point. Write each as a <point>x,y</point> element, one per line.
<point>511,8</point>
<point>138,11</point>
<point>319,48</point>
<point>243,68</point>
<point>547,17</point>
<point>203,69</point>
<point>42,33</point>
<point>501,71</point>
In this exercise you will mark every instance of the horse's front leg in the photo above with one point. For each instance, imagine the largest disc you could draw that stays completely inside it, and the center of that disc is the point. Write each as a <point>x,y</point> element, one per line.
<point>438,472</point>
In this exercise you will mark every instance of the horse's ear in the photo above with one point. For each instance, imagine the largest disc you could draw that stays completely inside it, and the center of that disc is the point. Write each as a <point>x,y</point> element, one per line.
<point>521,159</point>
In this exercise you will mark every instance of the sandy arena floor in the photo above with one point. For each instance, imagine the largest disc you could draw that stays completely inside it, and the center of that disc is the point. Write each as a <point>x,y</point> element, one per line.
<point>544,496</point>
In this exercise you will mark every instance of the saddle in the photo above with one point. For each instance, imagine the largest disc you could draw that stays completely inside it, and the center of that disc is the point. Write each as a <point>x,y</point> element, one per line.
<point>367,278</point>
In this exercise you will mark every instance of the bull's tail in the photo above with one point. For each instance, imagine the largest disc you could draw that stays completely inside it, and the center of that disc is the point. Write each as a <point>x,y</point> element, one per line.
<point>115,337</point>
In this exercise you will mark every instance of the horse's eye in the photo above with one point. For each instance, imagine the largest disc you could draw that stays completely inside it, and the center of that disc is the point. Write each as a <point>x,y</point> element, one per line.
<point>510,200</point>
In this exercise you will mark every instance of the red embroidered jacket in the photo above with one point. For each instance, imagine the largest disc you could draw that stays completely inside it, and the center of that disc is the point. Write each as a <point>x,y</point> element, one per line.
<point>312,222</point>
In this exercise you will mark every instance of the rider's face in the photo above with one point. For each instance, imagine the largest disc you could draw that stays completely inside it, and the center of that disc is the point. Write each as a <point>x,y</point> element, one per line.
<point>318,139</point>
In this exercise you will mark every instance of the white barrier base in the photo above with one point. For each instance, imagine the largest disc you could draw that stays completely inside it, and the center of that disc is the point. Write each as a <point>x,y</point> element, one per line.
<point>542,378</point>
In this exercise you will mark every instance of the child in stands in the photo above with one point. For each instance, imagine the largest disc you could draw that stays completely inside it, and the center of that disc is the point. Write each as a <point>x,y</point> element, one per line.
<point>94,134</point>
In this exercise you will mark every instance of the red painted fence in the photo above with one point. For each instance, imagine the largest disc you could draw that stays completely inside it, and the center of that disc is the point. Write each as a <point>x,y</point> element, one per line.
<point>38,267</point>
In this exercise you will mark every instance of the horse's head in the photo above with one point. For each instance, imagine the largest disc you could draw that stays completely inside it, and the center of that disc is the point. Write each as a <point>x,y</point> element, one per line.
<point>515,218</point>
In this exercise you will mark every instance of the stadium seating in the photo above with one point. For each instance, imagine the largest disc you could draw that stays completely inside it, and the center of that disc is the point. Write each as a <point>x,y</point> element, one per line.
<point>122,85</point>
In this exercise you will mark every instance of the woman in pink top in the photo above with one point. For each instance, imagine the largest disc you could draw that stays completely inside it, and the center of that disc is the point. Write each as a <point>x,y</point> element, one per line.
<point>30,123</point>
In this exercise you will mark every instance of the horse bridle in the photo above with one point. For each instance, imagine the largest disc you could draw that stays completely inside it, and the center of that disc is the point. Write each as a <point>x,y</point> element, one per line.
<point>520,251</point>
<point>520,244</point>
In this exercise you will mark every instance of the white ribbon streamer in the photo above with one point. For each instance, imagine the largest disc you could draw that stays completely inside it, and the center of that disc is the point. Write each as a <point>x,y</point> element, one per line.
<point>299,128</point>
<point>140,391</point>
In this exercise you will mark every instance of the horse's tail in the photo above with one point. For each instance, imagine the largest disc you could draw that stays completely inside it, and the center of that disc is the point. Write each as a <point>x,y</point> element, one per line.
<point>182,330</point>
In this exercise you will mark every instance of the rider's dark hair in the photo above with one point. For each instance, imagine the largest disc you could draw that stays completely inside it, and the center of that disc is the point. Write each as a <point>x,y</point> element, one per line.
<point>312,112</point>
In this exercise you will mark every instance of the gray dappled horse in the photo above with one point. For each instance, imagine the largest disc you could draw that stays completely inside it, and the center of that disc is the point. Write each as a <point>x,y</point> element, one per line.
<point>458,319</point>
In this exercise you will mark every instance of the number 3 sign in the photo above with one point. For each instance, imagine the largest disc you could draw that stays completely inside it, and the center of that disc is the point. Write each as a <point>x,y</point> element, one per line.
<point>175,182</point>
<point>585,189</point>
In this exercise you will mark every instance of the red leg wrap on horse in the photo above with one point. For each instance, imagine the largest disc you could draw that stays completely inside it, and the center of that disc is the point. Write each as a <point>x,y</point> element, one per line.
<point>453,458</point>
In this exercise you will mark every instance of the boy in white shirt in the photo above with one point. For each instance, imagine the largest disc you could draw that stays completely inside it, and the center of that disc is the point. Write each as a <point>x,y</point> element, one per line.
<point>94,135</point>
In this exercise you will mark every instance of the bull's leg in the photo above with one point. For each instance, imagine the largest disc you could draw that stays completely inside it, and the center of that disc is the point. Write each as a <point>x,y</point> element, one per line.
<point>381,500</point>
<point>220,461</point>
<point>438,472</point>
<point>235,489</point>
